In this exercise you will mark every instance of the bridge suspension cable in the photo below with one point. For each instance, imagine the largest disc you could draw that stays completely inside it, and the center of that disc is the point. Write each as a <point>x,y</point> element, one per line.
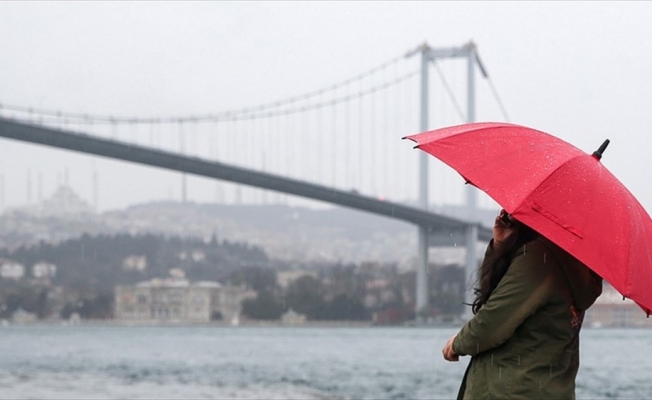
<point>449,91</point>
<point>503,110</point>
<point>90,120</point>
<point>228,115</point>
<point>456,105</point>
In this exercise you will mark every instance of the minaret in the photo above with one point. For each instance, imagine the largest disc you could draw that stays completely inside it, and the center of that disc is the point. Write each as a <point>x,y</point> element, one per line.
<point>39,189</point>
<point>2,192</point>
<point>183,188</point>
<point>96,190</point>
<point>29,187</point>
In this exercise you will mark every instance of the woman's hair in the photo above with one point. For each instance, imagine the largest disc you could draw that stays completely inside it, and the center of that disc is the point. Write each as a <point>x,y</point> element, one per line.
<point>495,265</point>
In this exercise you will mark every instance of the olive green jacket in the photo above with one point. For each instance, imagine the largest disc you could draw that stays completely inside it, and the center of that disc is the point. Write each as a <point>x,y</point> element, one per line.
<point>524,341</point>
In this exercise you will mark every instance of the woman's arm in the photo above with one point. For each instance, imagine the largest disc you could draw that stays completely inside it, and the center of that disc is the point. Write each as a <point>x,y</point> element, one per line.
<point>527,285</point>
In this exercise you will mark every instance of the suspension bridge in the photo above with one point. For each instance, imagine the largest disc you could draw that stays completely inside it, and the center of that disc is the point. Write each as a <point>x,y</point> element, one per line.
<point>338,144</point>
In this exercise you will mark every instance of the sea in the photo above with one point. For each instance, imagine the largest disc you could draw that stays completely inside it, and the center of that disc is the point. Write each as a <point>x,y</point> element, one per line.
<point>275,362</point>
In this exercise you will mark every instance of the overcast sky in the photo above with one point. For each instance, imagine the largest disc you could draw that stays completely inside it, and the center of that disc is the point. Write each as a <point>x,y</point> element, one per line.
<point>578,70</point>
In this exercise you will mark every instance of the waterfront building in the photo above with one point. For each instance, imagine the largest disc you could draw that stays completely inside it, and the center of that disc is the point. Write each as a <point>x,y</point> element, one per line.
<point>611,309</point>
<point>21,316</point>
<point>291,317</point>
<point>177,300</point>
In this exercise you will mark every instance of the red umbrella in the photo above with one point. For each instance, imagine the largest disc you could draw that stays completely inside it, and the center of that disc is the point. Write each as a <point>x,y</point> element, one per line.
<point>558,190</point>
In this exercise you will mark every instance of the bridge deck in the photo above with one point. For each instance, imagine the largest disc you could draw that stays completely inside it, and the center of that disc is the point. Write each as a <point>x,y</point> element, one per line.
<point>435,223</point>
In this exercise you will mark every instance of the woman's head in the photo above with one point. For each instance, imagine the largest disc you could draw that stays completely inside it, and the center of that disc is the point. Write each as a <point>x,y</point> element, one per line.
<point>509,235</point>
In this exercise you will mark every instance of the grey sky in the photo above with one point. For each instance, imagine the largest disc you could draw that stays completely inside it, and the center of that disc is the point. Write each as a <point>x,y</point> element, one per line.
<point>578,70</point>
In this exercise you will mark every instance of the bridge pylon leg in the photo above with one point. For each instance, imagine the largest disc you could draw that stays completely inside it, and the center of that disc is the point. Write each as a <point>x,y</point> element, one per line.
<point>422,308</point>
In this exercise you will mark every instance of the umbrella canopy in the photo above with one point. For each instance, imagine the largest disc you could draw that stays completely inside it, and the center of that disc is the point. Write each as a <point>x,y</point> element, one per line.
<point>558,190</point>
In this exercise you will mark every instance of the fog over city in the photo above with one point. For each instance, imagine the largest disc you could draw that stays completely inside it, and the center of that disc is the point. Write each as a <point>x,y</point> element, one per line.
<point>577,70</point>
<point>125,277</point>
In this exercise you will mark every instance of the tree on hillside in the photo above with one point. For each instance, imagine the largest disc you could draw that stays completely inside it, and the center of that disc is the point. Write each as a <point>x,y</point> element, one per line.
<point>306,296</point>
<point>259,279</point>
<point>266,306</point>
<point>345,308</point>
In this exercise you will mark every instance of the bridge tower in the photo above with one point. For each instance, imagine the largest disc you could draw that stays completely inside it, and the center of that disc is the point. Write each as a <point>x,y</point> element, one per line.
<point>428,55</point>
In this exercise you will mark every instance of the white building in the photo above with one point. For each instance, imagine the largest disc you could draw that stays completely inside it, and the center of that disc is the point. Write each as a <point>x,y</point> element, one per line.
<point>291,317</point>
<point>134,263</point>
<point>11,270</point>
<point>21,316</point>
<point>177,300</point>
<point>44,270</point>
<point>194,255</point>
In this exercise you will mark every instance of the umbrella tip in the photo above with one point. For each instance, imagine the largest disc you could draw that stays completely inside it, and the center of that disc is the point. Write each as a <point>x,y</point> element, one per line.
<point>598,153</point>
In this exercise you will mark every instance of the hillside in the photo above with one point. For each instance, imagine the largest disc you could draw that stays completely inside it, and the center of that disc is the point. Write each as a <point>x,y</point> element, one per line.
<point>287,233</point>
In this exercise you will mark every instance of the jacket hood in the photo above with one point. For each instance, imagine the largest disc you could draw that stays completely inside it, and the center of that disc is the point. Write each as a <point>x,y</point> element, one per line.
<point>585,285</point>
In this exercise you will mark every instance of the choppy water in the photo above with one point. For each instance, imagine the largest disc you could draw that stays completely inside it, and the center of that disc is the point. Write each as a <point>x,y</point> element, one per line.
<point>74,362</point>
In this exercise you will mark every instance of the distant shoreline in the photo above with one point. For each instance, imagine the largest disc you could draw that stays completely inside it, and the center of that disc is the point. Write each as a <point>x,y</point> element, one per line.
<point>250,323</point>
<point>254,324</point>
<point>221,324</point>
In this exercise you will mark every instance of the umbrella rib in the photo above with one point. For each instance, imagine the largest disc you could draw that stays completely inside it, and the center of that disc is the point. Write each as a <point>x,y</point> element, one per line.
<point>548,176</point>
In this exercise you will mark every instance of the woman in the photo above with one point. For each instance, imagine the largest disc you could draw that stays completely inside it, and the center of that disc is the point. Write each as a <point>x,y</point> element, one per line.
<point>529,304</point>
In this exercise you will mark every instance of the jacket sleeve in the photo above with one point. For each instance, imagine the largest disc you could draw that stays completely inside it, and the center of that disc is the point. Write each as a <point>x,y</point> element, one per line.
<point>527,285</point>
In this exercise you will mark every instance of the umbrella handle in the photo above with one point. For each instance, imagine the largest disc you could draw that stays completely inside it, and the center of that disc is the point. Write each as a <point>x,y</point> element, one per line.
<point>598,153</point>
